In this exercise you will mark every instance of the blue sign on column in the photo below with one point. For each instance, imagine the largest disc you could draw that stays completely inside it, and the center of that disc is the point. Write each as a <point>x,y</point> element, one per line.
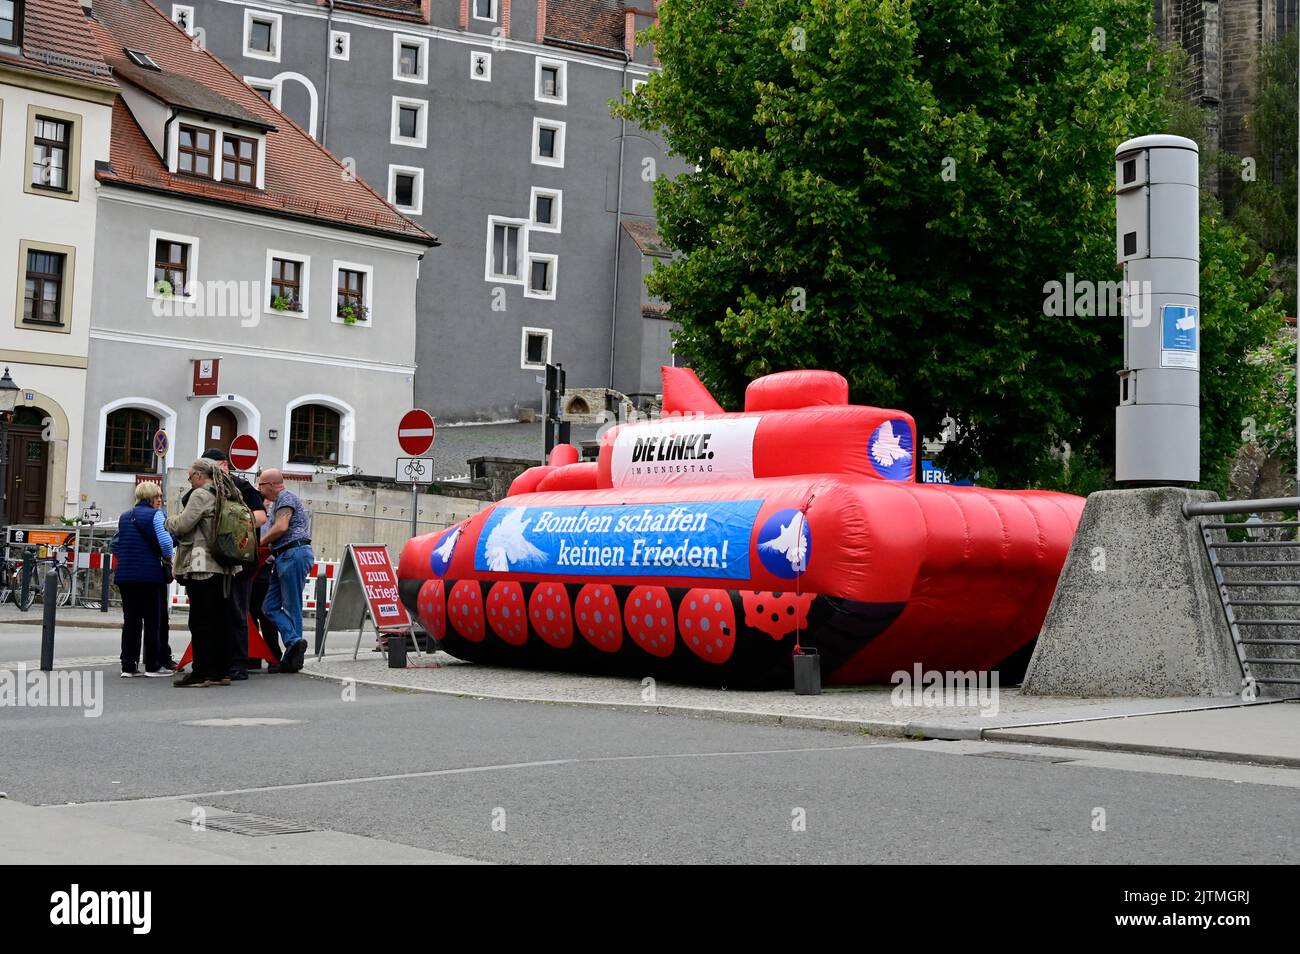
<point>1179,336</point>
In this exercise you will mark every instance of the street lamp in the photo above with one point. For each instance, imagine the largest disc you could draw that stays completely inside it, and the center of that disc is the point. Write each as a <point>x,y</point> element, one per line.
<point>8,399</point>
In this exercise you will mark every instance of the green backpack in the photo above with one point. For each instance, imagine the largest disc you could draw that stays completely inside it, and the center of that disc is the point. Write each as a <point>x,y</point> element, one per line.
<point>235,539</point>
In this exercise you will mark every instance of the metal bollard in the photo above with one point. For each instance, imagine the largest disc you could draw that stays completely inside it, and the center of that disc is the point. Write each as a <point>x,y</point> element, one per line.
<point>51,597</point>
<point>320,607</point>
<point>105,577</point>
<point>29,567</point>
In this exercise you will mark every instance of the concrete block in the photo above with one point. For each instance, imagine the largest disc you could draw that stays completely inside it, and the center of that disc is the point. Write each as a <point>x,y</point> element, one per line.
<point>1136,611</point>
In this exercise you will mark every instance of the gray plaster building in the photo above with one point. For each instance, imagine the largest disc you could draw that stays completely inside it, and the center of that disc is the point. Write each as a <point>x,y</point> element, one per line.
<point>491,119</point>
<point>247,282</point>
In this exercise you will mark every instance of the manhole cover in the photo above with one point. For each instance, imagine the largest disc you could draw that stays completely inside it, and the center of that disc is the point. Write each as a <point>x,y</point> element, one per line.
<point>227,723</point>
<point>254,826</point>
<point>1021,756</point>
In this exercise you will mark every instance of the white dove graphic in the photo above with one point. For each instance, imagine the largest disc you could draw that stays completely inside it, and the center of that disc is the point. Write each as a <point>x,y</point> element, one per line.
<point>443,553</point>
<point>506,544</point>
<point>887,450</point>
<point>790,543</point>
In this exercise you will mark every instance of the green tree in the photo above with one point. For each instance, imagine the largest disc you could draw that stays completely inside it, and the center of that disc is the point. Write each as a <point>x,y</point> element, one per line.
<point>886,187</point>
<point>1263,196</point>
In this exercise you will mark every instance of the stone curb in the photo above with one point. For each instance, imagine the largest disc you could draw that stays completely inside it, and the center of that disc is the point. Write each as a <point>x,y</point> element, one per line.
<point>1208,755</point>
<point>873,727</point>
<point>746,716</point>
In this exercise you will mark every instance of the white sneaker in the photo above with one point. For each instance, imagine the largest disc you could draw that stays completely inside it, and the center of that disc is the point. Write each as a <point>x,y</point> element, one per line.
<point>131,675</point>
<point>161,673</point>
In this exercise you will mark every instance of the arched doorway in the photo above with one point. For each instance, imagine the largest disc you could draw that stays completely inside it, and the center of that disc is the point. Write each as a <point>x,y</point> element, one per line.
<point>26,477</point>
<point>220,428</point>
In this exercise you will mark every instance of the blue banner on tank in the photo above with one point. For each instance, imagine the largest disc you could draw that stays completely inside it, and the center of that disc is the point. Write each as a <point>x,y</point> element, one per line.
<point>706,539</point>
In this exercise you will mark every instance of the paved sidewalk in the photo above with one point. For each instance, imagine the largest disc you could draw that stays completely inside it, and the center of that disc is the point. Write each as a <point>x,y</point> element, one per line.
<point>149,832</point>
<point>1257,735</point>
<point>870,709</point>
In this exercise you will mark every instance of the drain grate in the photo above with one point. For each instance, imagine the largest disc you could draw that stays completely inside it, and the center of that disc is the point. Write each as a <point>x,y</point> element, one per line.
<point>254,826</point>
<point>1021,756</point>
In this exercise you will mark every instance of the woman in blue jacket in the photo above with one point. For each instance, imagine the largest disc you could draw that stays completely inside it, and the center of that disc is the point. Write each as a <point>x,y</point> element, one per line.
<point>144,556</point>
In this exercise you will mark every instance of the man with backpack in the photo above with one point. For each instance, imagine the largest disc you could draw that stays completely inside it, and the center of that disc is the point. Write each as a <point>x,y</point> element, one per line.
<point>288,533</point>
<point>204,564</point>
<point>242,582</point>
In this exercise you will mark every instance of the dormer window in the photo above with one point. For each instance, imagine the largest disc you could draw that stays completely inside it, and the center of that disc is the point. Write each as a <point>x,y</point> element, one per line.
<point>11,22</point>
<point>238,160</point>
<point>194,151</point>
<point>142,60</point>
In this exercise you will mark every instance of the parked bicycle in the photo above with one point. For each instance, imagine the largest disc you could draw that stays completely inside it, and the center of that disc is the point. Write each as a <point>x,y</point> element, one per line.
<point>57,561</point>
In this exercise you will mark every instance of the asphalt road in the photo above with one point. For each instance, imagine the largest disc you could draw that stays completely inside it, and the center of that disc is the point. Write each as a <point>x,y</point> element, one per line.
<point>585,785</point>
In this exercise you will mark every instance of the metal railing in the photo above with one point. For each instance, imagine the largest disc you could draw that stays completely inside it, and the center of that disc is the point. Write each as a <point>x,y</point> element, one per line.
<point>1256,566</point>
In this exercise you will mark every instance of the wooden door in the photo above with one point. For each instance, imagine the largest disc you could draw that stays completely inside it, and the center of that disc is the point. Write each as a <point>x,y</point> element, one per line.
<point>220,429</point>
<point>26,476</point>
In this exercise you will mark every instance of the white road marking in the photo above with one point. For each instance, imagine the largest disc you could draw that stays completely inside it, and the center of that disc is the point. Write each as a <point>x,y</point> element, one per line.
<point>469,770</point>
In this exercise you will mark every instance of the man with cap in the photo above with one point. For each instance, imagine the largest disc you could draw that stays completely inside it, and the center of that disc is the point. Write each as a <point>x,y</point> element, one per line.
<point>242,584</point>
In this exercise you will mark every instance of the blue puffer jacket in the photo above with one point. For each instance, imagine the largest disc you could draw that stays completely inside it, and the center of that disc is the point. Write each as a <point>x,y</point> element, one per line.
<point>137,559</point>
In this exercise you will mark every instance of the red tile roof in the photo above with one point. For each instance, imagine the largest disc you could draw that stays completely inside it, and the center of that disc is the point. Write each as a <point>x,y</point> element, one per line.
<point>646,237</point>
<point>578,24</point>
<point>56,42</point>
<point>413,11</point>
<point>592,22</point>
<point>303,180</point>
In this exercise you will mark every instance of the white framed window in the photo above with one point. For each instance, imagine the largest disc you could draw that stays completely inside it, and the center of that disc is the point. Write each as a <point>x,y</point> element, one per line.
<point>410,58</point>
<point>544,208</point>
<point>288,284</point>
<point>126,440</point>
<point>269,90</point>
<point>480,66</point>
<point>406,188</point>
<point>507,249</point>
<point>541,276</point>
<point>535,349</point>
<point>340,45</point>
<point>550,81</point>
<point>353,294</point>
<point>548,142</point>
<point>183,17</point>
<point>410,122</point>
<point>637,84</point>
<point>485,10</point>
<point>318,434</point>
<point>262,35</point>
<point>173,266</point>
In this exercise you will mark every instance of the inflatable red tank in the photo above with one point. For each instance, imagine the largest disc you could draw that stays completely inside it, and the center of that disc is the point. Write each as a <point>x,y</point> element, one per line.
<point>703,546</point>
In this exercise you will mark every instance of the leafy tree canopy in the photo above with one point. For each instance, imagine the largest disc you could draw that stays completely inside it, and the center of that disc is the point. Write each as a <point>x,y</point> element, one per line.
<point>886,187</point>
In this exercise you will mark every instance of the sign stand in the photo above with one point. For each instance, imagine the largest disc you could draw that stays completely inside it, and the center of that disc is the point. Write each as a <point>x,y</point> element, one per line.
<point>366,589</point>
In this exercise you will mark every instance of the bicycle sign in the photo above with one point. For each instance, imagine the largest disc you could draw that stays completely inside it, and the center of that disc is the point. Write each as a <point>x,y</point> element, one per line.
<point>414,470</point>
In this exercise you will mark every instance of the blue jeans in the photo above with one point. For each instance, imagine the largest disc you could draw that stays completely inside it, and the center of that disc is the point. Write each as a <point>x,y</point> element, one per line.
<point>284,596</point>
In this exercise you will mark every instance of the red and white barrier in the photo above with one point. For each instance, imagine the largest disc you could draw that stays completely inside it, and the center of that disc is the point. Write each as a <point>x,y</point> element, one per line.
<point>176,592</point>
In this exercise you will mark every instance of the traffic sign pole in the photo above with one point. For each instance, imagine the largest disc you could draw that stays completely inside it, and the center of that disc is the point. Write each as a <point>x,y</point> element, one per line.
<point>415,434</point>
<point>160,445</point>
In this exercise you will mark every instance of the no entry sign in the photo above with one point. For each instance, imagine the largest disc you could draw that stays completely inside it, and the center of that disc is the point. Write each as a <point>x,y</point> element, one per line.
<point>415,432</point>
<point>243,452</point>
